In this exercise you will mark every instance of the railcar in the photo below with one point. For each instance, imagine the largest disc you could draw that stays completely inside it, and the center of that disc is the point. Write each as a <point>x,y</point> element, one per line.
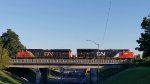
<point>86,53</point>
<point>41,53</point>
<point>61,53</point>
<point>106,53</point>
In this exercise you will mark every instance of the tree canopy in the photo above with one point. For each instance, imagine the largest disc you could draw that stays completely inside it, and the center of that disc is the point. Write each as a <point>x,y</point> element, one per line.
<point>11,42</point>
<point>9,46</point>
<point>144,40</point>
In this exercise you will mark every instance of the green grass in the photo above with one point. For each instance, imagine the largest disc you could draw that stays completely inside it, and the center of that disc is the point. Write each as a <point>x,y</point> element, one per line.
<point>8,78</point>
<point>55,71</point>
<point>1,82</point>
<point>50,76</point>
<point>109,72</point>
<point>139,75</point>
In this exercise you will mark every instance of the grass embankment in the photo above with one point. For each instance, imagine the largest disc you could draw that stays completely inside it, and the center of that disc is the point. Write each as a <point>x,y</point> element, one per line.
<point>25,73</point>
<point>8,78</point>
<point>139,75</point>
<point>109,72</point>
<point>53,73</point>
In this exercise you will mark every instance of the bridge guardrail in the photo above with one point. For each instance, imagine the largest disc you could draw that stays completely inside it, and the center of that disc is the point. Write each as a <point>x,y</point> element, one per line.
<point>67,61</point>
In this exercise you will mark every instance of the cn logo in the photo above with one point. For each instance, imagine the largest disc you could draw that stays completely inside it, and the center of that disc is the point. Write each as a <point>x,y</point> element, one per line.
<point>101,53</point>
<point>48,54</point>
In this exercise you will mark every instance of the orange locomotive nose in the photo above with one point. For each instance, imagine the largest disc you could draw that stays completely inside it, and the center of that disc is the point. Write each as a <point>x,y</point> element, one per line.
<point>24,54</point>
<point>20,54</point>
<point>128,55</point>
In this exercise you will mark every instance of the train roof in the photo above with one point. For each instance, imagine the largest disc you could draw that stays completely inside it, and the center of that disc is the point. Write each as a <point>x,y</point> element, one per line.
<point>106,49</point>
<point>87,49</point>
<point>32,49</point>
<point>46,49</point>
<point>61,49</point>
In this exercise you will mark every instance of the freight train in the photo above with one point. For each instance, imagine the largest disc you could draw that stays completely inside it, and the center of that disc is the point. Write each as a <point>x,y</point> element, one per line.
<point>81,53</point>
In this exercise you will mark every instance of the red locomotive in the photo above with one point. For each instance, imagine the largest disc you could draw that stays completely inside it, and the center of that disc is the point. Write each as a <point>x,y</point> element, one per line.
<point>106,53</point>
<point>41,53</point>
<point>125,55</point>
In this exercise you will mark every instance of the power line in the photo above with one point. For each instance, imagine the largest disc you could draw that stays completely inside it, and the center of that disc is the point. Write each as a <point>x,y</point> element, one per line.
<point>108,14</point>
<point>149,15</point>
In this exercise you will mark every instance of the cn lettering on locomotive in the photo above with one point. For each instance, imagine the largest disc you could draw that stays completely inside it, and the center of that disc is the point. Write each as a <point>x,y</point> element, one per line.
<point>48,54</point>
<point>100,53</point>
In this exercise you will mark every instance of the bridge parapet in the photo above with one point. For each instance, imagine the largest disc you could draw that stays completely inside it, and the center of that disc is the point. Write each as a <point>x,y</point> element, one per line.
<point>68,61</point>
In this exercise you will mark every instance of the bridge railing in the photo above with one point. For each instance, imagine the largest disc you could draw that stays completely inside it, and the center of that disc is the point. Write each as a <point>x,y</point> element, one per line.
<point>68,61</point>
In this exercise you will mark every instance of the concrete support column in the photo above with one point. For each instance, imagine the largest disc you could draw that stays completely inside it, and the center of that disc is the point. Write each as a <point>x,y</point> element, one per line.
<point>38,76</point>
<point>93,76</point>
<point>44,75</point>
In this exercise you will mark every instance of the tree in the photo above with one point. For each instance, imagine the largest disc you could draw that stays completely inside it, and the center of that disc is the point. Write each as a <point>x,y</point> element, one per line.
<point>4,56</point>
<point>144,40</point>
<point>1,43</point>
<point>11,42</point>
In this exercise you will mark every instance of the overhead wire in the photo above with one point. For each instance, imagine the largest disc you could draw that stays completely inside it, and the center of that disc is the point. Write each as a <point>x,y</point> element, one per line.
<point>106,25</point>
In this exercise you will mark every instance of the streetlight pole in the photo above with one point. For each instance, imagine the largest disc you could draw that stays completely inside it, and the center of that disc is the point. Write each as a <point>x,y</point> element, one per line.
<point>95,44</point>
<point>97,54</point>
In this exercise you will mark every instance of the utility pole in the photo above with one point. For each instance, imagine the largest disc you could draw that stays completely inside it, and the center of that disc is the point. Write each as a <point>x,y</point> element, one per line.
<point>97,55</point>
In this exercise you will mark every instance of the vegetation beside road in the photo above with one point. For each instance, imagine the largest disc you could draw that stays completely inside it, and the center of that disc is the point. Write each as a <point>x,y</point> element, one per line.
<point>138,75</point>
<point>9,46</point>
<point>28,74</point>
<point>143,62</point>
<point>8,78</point>
<point>109,72</point>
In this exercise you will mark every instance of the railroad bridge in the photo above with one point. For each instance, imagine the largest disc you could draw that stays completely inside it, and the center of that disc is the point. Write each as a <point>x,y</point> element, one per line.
<point>42,65</point>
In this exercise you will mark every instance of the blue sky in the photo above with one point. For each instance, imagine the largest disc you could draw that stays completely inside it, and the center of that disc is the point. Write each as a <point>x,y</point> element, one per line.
<point>52,24</point>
